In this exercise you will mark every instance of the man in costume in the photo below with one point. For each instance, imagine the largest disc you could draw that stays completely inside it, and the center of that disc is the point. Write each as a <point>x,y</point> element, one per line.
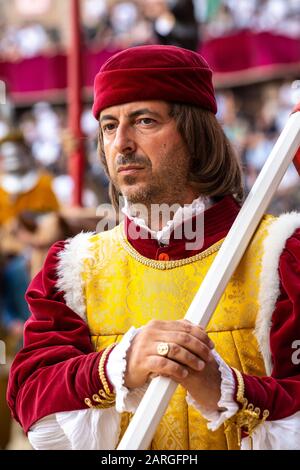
<point>25,191</point>
<point>107,308</point>
<point>23,186</point>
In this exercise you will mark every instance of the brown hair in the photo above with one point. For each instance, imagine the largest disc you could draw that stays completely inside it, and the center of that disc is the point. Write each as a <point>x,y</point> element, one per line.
<point>214,164</point>
<point>114,194</point>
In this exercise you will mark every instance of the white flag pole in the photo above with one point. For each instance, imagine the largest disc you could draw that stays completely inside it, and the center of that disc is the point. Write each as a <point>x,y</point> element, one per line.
<point>155,401</point>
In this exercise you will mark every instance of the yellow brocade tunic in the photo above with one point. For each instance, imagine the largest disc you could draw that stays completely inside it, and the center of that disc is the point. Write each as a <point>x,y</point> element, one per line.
<point>124,289</point>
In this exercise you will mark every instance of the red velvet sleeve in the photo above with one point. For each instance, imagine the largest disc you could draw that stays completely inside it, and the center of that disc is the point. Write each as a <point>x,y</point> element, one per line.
<point>280,393</point>
<point>57,368</point>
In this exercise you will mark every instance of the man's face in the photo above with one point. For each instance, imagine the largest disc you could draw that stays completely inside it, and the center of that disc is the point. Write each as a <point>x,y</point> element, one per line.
<point>146,156</point>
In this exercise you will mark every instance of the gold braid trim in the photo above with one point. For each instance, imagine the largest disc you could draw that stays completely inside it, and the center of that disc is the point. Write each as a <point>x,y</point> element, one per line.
<point>248,417</point>
<point>163,265</point>
<point>105,398</point>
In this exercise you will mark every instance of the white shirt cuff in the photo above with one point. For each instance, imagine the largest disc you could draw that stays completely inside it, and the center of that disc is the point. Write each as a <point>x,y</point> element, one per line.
<point>126,400</point>
<point>91,429</point>
<point>217,418</point>
<point>283,434</point>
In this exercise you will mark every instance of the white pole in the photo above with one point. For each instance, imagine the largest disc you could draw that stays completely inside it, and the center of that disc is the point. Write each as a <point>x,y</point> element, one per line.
<point>155,401</point>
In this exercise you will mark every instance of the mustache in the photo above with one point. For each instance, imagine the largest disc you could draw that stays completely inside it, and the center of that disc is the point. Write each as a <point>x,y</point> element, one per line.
<point>132,159</point>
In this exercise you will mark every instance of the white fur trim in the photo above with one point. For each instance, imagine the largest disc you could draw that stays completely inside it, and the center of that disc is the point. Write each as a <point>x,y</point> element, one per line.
<point>279,232</point>
<point>70,269</point>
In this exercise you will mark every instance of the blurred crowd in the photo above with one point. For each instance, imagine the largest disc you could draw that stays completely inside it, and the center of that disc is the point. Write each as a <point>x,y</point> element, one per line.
<point>125,23</point>
<point>252,118</point>
<point>226,16</point>
<point>28,40</point>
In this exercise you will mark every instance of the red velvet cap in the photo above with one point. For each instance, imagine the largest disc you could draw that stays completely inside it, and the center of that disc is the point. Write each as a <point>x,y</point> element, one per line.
<point>166,73</point>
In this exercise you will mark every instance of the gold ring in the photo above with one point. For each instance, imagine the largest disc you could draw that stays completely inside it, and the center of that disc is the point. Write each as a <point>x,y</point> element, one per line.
<point>163,349</point>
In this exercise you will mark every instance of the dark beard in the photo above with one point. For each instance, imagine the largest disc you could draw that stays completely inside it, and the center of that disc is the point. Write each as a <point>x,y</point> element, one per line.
<point>142,196</point>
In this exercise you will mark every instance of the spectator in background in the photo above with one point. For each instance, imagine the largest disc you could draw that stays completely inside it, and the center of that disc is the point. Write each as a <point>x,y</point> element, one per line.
<point>23,188</point>
<point>178,25</point>
<point>95,20</point>
<point>22,185</point>
<point>46,145</point>
<point>43,128</point>
<point>275,107</point>
<point>31,39</point>
<point>235,126</point>
<point>4,127</point>
<point>128,25</point>
<point>28,40</point>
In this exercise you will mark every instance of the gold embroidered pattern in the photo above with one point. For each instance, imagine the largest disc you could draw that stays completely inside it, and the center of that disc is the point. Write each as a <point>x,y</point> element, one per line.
<point>117,289</point>
<point>249,417</point>
<point>164,264</point>
<point>105,398</point>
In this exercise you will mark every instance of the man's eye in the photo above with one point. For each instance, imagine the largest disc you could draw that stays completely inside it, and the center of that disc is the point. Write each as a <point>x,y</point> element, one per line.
<point>146,121</point>
<point>108,127</point>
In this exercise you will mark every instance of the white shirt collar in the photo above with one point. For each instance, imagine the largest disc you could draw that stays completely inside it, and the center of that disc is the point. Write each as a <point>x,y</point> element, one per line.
<point>181,215</point>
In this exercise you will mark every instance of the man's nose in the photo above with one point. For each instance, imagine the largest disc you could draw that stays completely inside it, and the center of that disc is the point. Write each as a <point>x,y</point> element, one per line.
<point>124,141</point>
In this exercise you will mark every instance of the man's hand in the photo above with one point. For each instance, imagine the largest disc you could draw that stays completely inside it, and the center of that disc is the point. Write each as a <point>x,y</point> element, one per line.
<point>205,386</point>
<point>189,361</point>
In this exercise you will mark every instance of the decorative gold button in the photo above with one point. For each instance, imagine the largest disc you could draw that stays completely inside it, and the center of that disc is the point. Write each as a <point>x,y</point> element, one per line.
<point>163,257</point>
